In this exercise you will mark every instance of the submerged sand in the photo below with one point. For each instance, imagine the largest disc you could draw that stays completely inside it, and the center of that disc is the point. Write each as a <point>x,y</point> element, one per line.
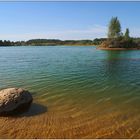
<point>70,124</point>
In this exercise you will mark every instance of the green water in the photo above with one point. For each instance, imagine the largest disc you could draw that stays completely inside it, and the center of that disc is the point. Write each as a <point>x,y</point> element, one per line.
<point>75,80</point>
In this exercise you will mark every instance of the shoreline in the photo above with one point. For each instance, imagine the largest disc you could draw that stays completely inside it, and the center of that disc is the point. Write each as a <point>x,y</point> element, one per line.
<point>117,49</point>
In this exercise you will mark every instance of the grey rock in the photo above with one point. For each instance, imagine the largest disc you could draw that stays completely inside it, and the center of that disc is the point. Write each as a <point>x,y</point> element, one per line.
<point>12,99</point>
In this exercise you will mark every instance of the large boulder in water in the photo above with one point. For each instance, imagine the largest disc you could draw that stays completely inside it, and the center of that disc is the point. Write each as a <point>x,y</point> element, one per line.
<point>14,100</point>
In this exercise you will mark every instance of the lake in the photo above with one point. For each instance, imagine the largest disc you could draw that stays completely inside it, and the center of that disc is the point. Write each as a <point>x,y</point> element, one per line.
<point>79,92</point>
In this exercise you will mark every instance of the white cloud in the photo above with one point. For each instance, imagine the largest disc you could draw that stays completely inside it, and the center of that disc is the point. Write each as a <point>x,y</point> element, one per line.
<point>96,31</point>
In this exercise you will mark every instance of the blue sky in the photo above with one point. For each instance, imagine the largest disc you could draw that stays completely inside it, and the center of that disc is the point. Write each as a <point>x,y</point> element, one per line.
<point>65,20</point>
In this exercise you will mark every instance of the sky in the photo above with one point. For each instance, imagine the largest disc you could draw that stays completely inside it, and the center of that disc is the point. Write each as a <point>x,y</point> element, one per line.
<point>65,20</point>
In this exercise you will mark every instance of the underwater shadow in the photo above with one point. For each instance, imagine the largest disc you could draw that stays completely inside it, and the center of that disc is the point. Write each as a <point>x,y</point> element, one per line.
<point>33,110</point>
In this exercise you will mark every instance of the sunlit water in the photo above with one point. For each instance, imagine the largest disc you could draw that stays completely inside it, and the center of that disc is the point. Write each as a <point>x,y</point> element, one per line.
<point>79,92</point>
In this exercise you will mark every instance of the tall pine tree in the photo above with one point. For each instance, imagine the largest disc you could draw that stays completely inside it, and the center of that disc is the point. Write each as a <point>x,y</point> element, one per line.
<point>114,29</point>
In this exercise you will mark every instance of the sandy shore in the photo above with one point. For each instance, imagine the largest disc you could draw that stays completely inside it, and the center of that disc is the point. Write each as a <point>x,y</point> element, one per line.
<point>117,49</point>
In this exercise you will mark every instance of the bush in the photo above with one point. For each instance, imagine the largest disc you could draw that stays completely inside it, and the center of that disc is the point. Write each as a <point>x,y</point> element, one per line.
<point>119,43</point>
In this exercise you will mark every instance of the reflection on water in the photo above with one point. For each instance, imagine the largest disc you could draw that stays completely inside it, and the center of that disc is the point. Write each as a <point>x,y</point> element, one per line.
<point>115,55</point>
<point>79,92</point>
<point>113,64</point>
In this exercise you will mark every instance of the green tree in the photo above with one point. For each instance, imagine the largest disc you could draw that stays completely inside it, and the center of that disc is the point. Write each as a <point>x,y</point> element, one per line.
<point>114,29</point>
<point>126,35</point>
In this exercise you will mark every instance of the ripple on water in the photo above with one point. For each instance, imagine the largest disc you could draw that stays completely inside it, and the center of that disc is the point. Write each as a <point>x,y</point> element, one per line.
<point>79,92</point>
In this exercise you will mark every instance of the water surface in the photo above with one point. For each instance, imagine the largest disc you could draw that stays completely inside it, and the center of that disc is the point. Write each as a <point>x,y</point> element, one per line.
<point>79,92</point>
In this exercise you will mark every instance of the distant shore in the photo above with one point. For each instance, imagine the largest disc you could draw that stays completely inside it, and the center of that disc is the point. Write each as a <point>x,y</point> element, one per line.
<point>52,42</point>
<point>51,45</point>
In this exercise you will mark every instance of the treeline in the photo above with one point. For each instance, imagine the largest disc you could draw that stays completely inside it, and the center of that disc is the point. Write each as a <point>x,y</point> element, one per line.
<point>51,42</point>
<point>137,41</point>
<point>6,43</point>
<point>117,38</point>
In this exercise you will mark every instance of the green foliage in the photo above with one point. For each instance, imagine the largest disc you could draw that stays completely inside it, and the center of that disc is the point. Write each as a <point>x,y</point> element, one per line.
<point>114,29</point>
<point>6,43</point>
<point>126,35</point>
<point>98,41</point>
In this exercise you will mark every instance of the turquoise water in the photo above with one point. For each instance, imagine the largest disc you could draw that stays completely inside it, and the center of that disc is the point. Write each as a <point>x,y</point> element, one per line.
<point>79,82</point>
